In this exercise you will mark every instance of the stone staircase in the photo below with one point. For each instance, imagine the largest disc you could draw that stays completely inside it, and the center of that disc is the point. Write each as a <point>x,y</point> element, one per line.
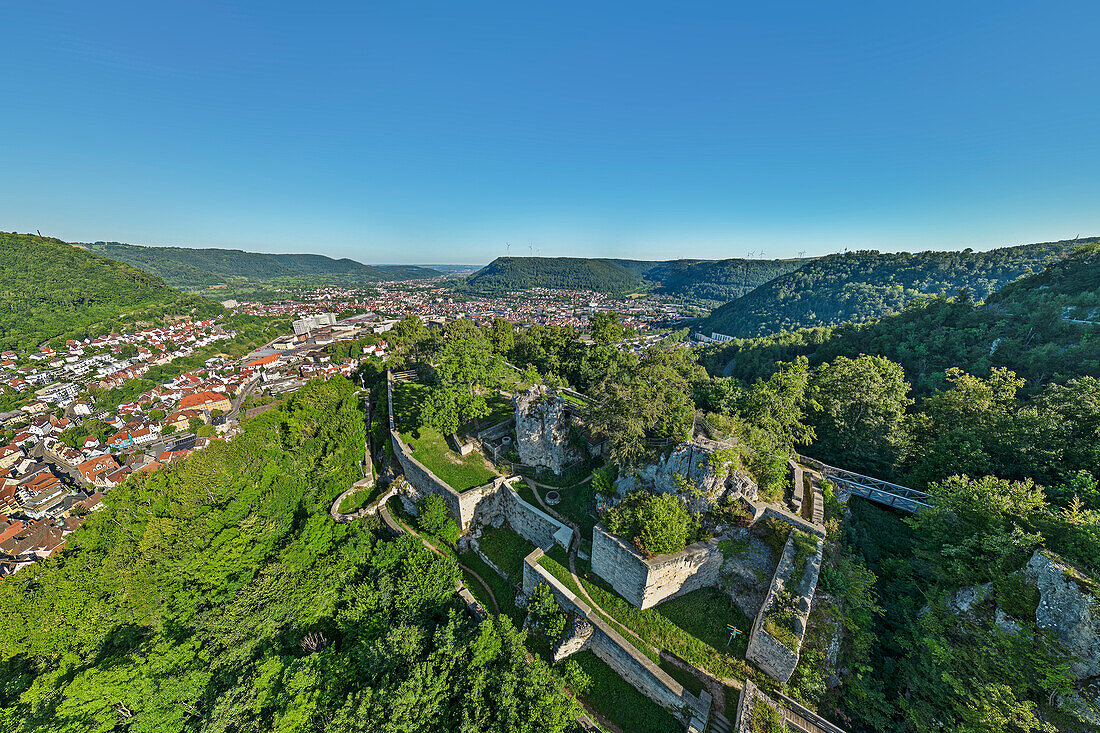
<point>409,375</point>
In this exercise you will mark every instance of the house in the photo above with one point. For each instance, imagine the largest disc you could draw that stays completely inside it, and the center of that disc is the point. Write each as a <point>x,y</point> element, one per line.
<point>41,495</point>
<point>264,362</point>
<point>10,454</point>
<point>206,402</point>
<point>8,503</point>
<point>95,469</point>
<point>33,541</point>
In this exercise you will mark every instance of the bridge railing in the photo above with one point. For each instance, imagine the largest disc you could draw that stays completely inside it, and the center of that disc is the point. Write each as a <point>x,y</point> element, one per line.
<point>875,489</point>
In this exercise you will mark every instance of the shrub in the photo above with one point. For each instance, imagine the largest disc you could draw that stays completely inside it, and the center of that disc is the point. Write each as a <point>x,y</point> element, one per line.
<point>656,523</point>
<point>766,719</point>
<point>434,517</point>
<point>545,612</point>
<point>576,679</point>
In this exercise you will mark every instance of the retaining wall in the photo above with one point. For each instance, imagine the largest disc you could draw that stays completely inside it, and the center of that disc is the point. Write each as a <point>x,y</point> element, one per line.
<point>481,504</point>
<point>767,652</point>
<point>645,582</point>
<point>529,522</point>
<point>619,654</point>
<point>462,505</point>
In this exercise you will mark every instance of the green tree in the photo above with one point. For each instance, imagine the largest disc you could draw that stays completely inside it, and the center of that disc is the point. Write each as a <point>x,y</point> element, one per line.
<point>862,402</point>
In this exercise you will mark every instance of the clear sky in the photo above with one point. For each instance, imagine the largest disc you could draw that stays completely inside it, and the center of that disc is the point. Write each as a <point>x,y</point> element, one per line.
<point>416,131</point>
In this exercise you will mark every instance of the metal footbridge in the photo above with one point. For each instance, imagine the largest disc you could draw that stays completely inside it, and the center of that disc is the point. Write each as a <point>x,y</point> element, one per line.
<point>874,489</point>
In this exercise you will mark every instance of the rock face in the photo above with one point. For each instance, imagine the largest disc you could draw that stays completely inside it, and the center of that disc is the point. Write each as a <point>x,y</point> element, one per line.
<point>1069,608</point>
<point>747,570</point>
<point>711,476</point>
<point>574,639</point>
<point>542,430</point>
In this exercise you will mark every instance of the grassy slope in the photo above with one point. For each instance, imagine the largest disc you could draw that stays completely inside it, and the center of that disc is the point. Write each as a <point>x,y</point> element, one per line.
<point>860,286</point>
<point>51,289</point>
<point>430,447</point>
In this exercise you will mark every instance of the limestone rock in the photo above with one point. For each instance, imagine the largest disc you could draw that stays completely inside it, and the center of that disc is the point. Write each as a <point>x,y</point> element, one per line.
<point>711,477</point>
<point>573,640</point>
<point>1005,622</point>
<point>542,430</point>
<point>966,598</point>
<point>1069,607</point>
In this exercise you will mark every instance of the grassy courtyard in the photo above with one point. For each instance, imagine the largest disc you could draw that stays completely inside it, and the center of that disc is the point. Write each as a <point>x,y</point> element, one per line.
<point>621,704</point>
<point>431,448</point>
<point>692,626</point>
<point>506,549</point>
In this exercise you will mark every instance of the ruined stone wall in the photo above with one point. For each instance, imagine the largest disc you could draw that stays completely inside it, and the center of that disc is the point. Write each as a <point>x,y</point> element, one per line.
<point>425,483</point>
<point>699,462</point>
<point>767,652</point>
<point>529,522</point>
<point>619,654</point>
<point>645,582</point>
<point>542,429</point>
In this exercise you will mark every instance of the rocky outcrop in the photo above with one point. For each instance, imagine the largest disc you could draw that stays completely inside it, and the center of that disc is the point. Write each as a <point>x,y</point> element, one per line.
<point>542,429</point>
<point>1069,607</point>
<point>575,638</point>
<point>706,466</point>
<point>747,570</point>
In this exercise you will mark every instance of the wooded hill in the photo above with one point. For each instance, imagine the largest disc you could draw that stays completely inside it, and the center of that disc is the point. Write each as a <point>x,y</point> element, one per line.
<point>53,290</point>
<point>860,286</point>
<point>184,267</point>
<point>1037,326</point>
<point>218,595</point>
<point>716,280</point>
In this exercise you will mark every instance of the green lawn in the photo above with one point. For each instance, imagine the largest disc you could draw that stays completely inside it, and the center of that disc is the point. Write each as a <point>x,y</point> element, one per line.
<point>578,504</point>
<point>502,589</point>
<point>357,500</point>
<point>430,447</point>
<point>616,700</point>
<point>505,548</point>
<point>500,409</point>
<point>692,626</point>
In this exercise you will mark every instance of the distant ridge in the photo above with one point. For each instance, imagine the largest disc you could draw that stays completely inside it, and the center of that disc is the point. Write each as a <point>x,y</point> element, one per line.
<point>861,286</point>
<point>715,280</point>
<point>184,267</point>
<point>1043,326</point>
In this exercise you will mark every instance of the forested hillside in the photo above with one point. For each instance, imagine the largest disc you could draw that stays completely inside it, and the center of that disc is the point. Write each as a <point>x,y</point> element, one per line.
<point>715,280</point>
<point>200,268</point>
<point>1031,326</point>
<point>505,274</point>
<point>50,289</point>
<point>860,286</point>
<point>923,621</point>
<point>719,280</point>
<point>219,595</point>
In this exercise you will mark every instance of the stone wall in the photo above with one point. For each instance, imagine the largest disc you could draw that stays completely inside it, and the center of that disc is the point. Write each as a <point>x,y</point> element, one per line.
<point>619,654</point>
<point>767,652</point>
<point>645,582</point>
<point>542,429</point>
<point>529,522</point>
<point>425,483</point>
<point>494,432</point>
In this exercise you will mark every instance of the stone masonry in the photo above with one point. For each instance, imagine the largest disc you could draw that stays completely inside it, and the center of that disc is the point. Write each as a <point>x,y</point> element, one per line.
<point>542,429</point>
<point>767,652</point>
<point>619,654</point>
<point>574,641</point>
<point>645,582</point>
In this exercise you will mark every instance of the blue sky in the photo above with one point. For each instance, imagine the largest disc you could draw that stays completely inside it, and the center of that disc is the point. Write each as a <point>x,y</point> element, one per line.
<point>437,132</point>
